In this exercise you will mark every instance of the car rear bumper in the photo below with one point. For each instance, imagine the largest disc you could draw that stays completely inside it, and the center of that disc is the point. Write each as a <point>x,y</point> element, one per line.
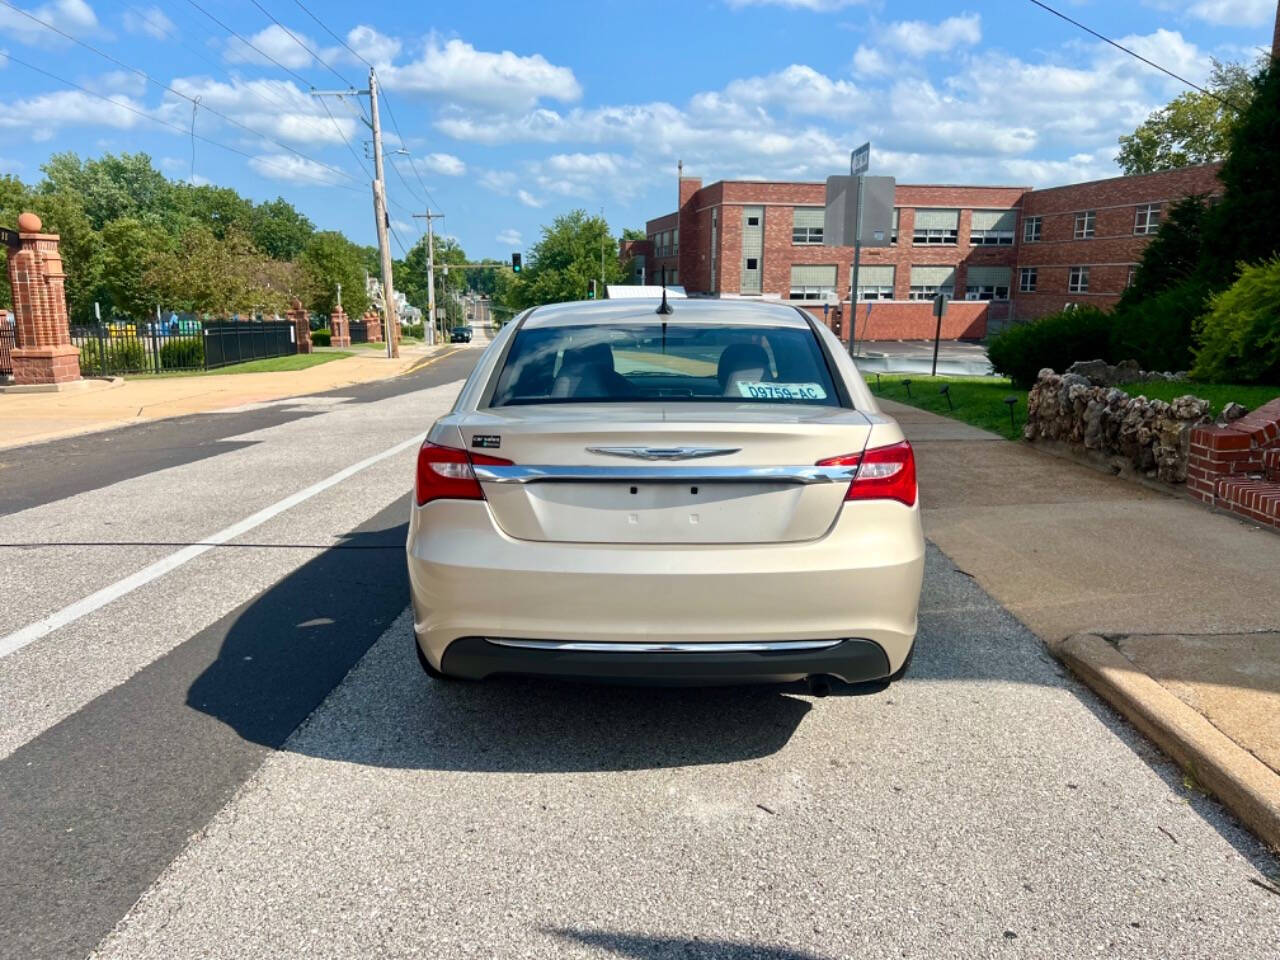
<point>852,660</point>
<point>859,584</point>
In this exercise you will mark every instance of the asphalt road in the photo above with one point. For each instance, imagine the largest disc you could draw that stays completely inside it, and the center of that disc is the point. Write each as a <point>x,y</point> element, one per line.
<point>237,755</point>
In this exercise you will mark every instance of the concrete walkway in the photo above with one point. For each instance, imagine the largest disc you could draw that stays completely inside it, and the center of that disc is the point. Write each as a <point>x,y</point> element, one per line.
<point>1187,595</point>
<point>36,417</point>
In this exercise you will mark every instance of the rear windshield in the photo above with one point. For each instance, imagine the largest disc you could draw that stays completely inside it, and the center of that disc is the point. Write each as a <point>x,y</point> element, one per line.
<point>745,363</point>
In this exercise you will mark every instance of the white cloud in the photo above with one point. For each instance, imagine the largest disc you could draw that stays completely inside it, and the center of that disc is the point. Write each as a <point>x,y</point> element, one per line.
<point>588,164</point>
<point>509,237</point>
<point>46,113</point>
<point>445,164</point>
<point>1234,13</point>
<point>917,38</point>
<point>459,73</point>
<point>402,226</point>
<point>287,168</point>
<point>276,108</point>
<point>149,21</point>
<point>528,199</point>
<point>499,181</point>
<point>375,47</point>
<point>72,16</point>
<point>276,43</point>
<point>868,60</point>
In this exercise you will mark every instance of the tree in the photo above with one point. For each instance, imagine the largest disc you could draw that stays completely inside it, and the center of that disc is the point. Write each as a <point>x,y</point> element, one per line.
<point>327,260</point>
<point>131,249</point>
<point>1173,254</point>
<point>218,208</point>
<point>204,273</point>
<point>631,233</point>
<point>111,187</point>
<point>561,265</point>
<point>279,230</point>
<point>14,199</point>
<point>1194,128</point>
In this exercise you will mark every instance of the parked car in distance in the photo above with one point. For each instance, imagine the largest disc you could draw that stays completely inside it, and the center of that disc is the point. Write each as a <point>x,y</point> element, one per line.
<point>704,492</point>
<point>460,335</point>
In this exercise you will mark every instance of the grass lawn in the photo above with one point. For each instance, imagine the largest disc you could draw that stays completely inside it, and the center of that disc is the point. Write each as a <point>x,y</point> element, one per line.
<point>980,400</point>
<point>298,361</point>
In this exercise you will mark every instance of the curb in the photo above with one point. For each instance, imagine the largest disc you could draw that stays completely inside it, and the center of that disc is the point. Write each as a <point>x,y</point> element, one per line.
<point>1247,786</point>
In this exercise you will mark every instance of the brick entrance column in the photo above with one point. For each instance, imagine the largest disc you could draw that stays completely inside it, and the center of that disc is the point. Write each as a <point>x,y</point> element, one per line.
<point>43,352</point>
<point>297,315</point>
<point>373,320</point>
<point>339,328</point>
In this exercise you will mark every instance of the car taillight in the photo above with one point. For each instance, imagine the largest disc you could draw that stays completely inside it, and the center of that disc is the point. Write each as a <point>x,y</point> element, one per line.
<point>884,473</point>
<point>444,473</point>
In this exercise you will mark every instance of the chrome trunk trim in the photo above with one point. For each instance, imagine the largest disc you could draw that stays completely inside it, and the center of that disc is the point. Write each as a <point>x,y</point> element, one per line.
<point>521,473</point>
<point>664,453</point>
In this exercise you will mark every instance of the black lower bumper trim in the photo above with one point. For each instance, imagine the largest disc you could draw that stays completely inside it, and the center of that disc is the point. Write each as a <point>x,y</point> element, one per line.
<point>853,661</point>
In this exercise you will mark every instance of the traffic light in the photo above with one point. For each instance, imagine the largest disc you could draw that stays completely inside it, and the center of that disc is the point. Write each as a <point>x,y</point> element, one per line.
<point>515,263</point>
<point>591,290</point>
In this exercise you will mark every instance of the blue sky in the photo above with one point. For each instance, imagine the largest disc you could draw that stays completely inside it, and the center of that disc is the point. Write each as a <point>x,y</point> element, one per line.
<point>512,113</point>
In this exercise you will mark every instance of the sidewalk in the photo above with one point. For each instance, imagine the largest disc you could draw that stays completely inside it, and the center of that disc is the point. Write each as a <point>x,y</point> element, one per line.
<point>37,417</point>
<point>1168,609</point>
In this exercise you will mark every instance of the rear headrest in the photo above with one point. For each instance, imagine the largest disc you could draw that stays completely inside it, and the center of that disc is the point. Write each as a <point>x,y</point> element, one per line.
<point>591,355</point>
<point>740,358</point>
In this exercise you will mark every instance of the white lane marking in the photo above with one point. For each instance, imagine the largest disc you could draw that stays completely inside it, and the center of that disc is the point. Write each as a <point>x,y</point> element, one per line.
<point>69,614</point>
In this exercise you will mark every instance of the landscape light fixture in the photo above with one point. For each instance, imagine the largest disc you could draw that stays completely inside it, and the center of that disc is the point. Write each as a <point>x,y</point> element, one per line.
<point>945,390</point>
<point>907,384</point>
<point>1011,401</point>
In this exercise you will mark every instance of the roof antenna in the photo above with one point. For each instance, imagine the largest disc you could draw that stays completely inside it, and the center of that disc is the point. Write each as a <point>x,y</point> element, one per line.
<point>664,307</point>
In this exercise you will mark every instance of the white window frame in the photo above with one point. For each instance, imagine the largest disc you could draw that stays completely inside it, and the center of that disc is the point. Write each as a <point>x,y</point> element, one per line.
<point>1086,227</point>
<point>991,238</point>
<point>986,291</point>
<point>928,291</point>
<point>1027,274</point>
<point>1146,219</point>
<point>811,292</point>
<point>1032,229</point>
<point>934,236</point>
<point>1078,280</point>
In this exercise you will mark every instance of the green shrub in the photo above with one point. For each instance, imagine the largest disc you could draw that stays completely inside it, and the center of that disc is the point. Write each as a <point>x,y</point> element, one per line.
<point>1057,340</point>
<point>414,330</point>
<point>182,354</point>
<point>121,356</point>
<point>321,337</point>
<point>1239,337</point>
<point>1157,331</point>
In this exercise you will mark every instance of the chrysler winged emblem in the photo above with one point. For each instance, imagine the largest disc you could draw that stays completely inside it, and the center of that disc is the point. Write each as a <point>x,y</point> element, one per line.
<point>664,453</point>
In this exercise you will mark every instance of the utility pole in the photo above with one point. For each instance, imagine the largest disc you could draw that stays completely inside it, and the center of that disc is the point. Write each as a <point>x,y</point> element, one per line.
<point>379,209</point>
<point>431,272</point>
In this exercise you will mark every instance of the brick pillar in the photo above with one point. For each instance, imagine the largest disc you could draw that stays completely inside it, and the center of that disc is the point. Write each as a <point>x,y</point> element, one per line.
<point>373,320</point>
<point>340,328</point>
<point>297,315</point>
<point>43,352</point>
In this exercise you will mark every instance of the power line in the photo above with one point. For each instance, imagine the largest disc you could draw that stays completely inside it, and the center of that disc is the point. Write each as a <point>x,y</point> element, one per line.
<point>173,126</point>
<point>315,56</point>
<point>325,28</point>
<point>258,50</point>
<point>164,86</point>
<point>338,127</point>
<point>1133,53</point>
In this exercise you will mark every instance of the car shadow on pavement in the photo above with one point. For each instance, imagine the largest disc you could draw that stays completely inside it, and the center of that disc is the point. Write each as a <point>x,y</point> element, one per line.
<point>646,946</point>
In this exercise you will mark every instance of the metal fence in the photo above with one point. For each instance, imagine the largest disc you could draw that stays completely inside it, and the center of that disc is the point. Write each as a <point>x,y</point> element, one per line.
<point>359,331</point>
<point>126,347</point>
<point>7,343</point>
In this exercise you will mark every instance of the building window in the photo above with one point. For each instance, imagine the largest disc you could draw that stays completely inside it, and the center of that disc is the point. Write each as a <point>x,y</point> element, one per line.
<point>987,283</point>
<point>1085,223</point>
<point>928,282</point>
<point>875,282</point>
<point>1031,227</point>
<point>936,227</point>
<point>1147,219</point>
<point>893,235</point>
<point>1027,280</point>
<point>1078,280</point>
<point>673,277</point>
<point>753,263</point>
<point>1133,275</point>
<point>810,282</point>
<point>751,282</point>
<point>807,225</point>
<point>753,221</point>
<point>675,242</point>
<point>992,228</point>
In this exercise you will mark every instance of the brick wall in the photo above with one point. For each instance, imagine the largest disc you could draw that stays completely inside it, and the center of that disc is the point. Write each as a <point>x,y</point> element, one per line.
<point>1237,467</point>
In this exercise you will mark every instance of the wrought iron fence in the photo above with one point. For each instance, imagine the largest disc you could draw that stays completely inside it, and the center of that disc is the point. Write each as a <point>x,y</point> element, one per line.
<point>127,347</point>
<point>359,331</point>
<point>7,343</point>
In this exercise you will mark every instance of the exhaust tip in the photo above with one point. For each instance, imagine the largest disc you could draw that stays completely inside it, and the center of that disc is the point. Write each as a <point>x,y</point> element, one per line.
<point>819,686</point>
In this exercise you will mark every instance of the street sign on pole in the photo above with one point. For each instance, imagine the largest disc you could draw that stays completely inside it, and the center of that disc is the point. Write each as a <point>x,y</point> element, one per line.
<point>939,308</point>
<point>860,160</point>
